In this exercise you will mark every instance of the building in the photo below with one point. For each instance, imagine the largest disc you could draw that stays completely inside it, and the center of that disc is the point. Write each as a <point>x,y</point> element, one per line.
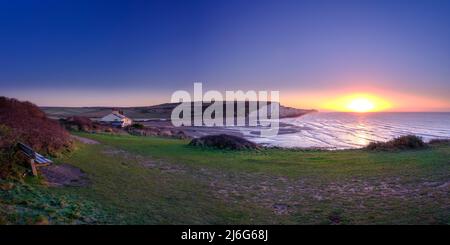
<point>117,118</point>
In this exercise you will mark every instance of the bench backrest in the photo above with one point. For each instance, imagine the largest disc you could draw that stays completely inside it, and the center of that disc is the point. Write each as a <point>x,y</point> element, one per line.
<point>26,149</point>
<point>29,152</point>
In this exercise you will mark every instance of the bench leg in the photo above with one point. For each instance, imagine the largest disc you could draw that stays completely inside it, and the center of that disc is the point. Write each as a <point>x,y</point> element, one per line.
<point>33,167</point>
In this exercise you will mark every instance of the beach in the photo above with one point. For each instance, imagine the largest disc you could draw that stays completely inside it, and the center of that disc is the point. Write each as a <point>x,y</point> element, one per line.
<point>333,130</point>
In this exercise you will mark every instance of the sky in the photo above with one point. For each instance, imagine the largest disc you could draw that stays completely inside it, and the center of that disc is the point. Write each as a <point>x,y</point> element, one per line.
<point>136,53</point>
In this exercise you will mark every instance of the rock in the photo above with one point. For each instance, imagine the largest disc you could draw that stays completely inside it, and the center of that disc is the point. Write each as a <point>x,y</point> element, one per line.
<point>224,141</point>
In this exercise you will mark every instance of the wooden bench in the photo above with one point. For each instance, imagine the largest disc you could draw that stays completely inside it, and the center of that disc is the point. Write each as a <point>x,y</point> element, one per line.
<point>34,159</point>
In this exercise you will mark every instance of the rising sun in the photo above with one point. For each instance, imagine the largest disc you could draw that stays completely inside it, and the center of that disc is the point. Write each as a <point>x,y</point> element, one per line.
<point>361,105</point>
<point>358,102</point>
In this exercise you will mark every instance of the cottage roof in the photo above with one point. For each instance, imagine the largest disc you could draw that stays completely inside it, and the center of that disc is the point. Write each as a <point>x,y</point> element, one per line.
<point>119,115</point>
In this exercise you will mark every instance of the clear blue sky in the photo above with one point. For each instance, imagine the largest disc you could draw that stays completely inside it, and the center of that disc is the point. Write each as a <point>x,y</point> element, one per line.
<point>92,52</point>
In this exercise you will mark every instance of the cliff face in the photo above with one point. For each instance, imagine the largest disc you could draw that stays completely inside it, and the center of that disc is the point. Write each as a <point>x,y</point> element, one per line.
<point>293,112</point>
<point>162,111</point>
<point>284,111</point>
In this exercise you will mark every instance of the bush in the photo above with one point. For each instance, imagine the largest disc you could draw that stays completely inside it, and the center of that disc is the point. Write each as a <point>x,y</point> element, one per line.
<point>439,141</point>
<point>138,126</point>
<point>25,122</point>
<point>401,143</point>
<point>78,123</point>
<point>83,123</point>
<point>224,141</point>
<point>7,156</point>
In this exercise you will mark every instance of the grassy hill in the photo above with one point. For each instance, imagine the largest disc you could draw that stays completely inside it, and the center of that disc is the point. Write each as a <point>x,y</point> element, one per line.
<point>150,180</point>
<point>148,112</point>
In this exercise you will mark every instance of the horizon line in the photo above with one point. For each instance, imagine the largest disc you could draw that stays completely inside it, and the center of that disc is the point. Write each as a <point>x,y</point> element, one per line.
<point>316,110</point>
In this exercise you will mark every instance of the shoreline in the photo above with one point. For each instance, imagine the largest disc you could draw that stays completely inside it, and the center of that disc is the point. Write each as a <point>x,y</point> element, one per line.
<point>252,134</point>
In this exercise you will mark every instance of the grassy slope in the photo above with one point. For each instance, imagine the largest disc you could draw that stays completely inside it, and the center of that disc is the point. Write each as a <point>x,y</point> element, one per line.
<point>323,164</point>
<point>185,185</point>
<point>135,194</point>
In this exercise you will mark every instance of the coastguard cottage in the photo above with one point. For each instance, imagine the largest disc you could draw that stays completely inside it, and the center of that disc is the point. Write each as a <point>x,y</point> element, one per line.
<point>117,118</point>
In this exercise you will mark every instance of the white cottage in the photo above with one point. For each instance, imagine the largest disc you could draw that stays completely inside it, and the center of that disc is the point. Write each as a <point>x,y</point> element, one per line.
<point>116,118</point>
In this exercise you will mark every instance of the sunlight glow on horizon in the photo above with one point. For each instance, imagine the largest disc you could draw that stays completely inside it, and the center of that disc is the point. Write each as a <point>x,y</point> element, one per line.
<point>358,103</point>
<point>383,99</point>
<point>361,105</point>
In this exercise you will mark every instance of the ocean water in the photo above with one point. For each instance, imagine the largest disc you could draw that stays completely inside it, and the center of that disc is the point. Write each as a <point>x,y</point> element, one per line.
<point>333,130</point>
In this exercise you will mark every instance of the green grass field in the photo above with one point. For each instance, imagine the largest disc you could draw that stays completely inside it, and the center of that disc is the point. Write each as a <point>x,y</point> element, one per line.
<point>149,180</point>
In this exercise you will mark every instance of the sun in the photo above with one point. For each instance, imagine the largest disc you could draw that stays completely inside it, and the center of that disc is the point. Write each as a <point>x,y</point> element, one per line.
<point>357,102</point>
<point>361,105</point>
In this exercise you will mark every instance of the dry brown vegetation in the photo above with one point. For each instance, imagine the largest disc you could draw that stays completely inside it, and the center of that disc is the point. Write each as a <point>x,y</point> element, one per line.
<point>401,143</point>
<point>85,124</point>
<point>439,141</point>
<point>224,141</point>
<point>25,122</point>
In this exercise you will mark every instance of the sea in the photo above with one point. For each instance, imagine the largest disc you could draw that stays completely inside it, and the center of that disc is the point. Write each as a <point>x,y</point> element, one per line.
<point>340,130</point>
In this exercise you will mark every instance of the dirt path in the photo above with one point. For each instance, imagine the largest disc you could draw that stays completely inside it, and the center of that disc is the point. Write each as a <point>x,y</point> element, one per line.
<point>58,175</point>
<point>85,140</point>
<point>64,175</point>
<point>289,195</point>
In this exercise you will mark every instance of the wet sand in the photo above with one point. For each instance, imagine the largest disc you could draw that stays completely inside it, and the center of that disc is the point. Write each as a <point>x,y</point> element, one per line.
<point>199,131</point>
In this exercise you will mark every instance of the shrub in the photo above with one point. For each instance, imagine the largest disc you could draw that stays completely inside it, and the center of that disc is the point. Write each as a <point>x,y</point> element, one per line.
<point>25,122</point>
<point>138,126</point>
<point>224,141</point>
<point>439,141</point>
<point>79,123</point>
<point>400,143</point>
<point>6,151</point>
